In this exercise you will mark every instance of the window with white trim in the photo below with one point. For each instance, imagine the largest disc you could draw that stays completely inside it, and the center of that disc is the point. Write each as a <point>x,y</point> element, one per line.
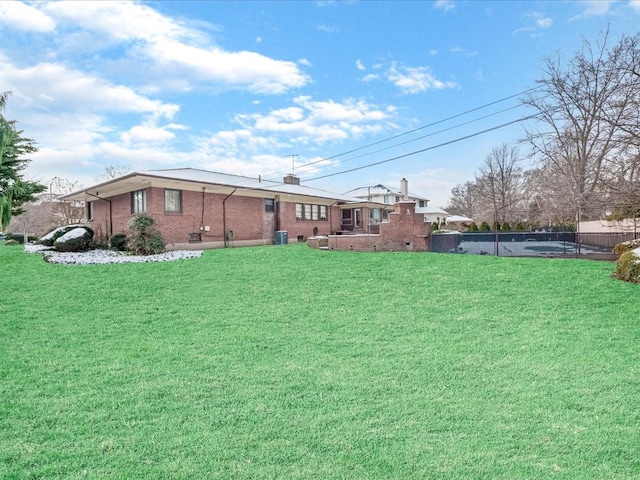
<point>139,201</point>
<point>172,200</point>
<point>306,211</point>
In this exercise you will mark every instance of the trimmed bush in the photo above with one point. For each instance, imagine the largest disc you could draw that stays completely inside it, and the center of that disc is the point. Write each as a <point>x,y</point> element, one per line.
<point>144,238</point>
<point>79,239</point>
<point>50,238</point>
<point>628,266</point>
<point>118,242</point>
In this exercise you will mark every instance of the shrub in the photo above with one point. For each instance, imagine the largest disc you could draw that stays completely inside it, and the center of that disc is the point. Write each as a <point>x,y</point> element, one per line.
<point>144,238</point>
<point>473,227</point>
<point>79,239</point>
<point>19,237</point>
<point>624,247</point>
<point>484,227</point>
<point>118,242</point>
<point>505,227</point>
<point>50,238</point>
<point>628,267</point>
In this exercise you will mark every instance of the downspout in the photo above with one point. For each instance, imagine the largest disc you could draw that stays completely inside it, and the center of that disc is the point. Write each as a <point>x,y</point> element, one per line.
<point>110,211</point>
<point>224,216</point>
<point>202,212</point>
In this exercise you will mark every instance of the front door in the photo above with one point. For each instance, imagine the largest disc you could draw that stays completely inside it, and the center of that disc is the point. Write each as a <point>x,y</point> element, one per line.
<point>357,215</point>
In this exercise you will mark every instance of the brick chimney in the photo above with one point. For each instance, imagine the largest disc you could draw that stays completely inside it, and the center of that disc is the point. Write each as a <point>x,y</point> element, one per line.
<point>291,179</point>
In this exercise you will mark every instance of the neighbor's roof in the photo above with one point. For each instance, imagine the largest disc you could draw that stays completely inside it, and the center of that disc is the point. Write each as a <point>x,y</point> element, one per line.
<point>375,190</point>
<point>195,179</point>
<point>431,210</point>
<point>458,218</point>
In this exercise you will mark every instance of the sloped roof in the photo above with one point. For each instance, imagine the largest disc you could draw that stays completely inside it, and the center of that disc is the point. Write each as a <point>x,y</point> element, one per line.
<point>431,210</point>
<point>364,192</point>
<point>458,218</point>
<point>195,179</point>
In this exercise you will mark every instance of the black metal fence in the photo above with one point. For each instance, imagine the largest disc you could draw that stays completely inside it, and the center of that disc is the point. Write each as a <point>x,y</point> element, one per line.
<point>530,244</point>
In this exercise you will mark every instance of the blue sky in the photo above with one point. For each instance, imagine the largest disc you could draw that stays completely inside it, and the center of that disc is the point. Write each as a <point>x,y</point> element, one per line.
<point>263,88</point>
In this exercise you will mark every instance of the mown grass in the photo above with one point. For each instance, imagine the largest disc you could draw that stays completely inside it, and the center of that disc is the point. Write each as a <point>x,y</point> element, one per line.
<point>292,363</point>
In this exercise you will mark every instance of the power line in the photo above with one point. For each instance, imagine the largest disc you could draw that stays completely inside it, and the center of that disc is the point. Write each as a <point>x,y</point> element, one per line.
<point>466,137</point>
<point>409,141</point>
<point>422,127</point>
<point>484,117</point>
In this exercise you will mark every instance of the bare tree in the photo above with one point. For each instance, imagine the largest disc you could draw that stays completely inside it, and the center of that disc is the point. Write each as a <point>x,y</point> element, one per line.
<point>500,182</point>
<point>581,110</point>
<point>66,212</point>
<point>36,219</point>
<point>113,171</point>
<point>463,200</point>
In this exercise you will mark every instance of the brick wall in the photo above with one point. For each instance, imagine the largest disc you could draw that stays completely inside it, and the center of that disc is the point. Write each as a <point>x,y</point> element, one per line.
<point>245,217</point>
<point>405,231</point>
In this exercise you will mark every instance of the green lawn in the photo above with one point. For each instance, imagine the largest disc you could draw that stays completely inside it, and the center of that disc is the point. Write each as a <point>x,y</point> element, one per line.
<point>292,363</point>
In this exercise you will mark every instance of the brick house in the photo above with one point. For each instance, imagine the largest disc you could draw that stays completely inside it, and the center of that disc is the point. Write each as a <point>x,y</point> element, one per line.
<point>201,209</point>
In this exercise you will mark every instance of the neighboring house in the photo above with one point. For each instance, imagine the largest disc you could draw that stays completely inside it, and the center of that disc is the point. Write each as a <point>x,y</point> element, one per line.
<point>458,222</point>
<point>387,195</point>
<point>211,209</point>
<point>433,214</point>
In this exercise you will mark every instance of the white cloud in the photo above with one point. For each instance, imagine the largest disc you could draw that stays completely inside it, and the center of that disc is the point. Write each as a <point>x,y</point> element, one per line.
<point>596,7</point>
<point>308,123</point>
<point>123,21</point>
<point>411,80</point>
<point>256,72</point>
<point>635,4</point>
<point>370,77</point>
<point>445,5</point>
<point>327,28</point>
<point>48,86</point>
<point>464,52</point>
<point>178,51</point>
<point>536,21</point>
<point>150,134</point>
<point>21,16</point>
<point>360,65</point>
<point>544,22</point>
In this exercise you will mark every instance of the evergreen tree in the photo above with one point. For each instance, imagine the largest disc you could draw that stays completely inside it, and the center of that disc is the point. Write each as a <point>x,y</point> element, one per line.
<point>14,190</point>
